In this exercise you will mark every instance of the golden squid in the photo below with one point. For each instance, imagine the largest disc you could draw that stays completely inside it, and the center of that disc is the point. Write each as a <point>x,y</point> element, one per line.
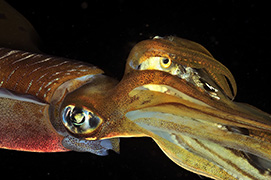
<point>181,57</point>
<point>173,91</point>
<point>194,65</point>
<point>188,112</point>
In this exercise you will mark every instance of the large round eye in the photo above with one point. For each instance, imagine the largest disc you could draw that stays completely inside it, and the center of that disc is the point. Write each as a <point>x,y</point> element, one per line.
<point>80,120</point>
<point>165,62</point>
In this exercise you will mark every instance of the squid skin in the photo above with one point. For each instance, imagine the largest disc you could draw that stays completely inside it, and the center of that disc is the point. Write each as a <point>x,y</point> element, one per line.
<point>31,88</point>
<point>24,126</point>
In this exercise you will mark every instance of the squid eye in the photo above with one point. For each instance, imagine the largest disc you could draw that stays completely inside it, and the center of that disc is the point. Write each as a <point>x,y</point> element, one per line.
<point>165,62</point>
<point>80,120</point>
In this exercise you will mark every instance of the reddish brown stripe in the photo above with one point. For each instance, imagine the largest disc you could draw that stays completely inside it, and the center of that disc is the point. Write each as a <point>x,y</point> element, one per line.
<point>38,75</point>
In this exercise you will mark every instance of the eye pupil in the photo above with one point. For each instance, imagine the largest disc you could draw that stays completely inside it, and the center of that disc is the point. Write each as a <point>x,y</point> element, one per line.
<point>165,61</point>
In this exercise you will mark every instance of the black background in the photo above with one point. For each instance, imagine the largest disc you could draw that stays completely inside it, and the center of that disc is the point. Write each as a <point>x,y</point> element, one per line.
<point>237,33</point>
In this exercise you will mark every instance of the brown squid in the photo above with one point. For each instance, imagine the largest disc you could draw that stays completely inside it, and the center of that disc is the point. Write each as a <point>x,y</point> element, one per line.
<point>31,88</point>
<point>189,114</point>
<point>173,91</point>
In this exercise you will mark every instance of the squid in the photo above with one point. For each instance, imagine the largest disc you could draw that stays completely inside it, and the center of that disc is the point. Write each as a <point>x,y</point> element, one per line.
<point>204,132</point>
<point>187,112</point>
<point>31,88</point>
<point>173,91</point>
<point>184,58</point>
<point>66,105</point>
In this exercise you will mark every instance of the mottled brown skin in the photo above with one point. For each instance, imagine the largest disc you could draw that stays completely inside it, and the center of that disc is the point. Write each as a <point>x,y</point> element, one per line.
<point>186,53</point>
<point>24,125</point>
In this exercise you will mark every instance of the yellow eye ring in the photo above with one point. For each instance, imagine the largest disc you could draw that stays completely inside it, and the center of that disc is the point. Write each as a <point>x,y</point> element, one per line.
<point>165,62</point>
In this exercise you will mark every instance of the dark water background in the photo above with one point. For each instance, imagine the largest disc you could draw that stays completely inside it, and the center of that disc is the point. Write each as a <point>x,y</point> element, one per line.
<point>102,33</point>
